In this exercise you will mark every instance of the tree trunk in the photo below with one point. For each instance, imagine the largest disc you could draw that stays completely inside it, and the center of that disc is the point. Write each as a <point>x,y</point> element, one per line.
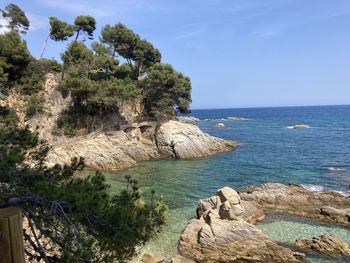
<point>76,38</point>
<point>45,44</point>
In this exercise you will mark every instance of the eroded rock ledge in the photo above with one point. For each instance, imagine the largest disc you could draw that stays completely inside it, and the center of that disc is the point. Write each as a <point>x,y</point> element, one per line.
<point>121,149</point>
<point>224,232</point>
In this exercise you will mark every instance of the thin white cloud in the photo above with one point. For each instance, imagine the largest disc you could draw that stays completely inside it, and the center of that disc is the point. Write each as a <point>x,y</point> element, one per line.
<point>267,32</point>
<point>3,25</point>
<point>37,22</point>
<point>101,8</point>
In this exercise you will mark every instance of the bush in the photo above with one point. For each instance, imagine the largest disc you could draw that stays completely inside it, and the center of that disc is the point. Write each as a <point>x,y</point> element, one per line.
<point>34,105</point>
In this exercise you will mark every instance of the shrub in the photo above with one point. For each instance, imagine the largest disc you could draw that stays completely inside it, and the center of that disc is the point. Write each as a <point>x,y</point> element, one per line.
<point>34,105</point>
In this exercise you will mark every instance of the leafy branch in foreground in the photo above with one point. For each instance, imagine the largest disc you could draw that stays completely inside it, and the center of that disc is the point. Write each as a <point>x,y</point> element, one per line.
<point>70,218</point>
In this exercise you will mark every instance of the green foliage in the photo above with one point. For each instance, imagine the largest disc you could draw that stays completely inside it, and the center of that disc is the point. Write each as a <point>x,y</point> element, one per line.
<point>95,97</point>
<point>60,30</point>
<point>14,142</point>
<point>85,25</point>
<point>32,80</point>
<point>165,89</point>
<point>16,17</point>
<point>34,104</point>
<point>74,219</point>
<point>139,54</point>
<point>14,56</point>
<point>77,53</point>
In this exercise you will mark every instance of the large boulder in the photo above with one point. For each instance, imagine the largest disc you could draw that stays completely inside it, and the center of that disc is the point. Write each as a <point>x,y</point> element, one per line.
<point>328,244</point>
<point>221,233</point>
<point>182,140</point>
<point>211,239</point>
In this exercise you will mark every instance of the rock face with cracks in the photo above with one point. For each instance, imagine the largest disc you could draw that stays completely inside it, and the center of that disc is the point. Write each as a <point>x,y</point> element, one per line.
<point>328,206</point>
<point>221,233</point>
<point>328,244</point>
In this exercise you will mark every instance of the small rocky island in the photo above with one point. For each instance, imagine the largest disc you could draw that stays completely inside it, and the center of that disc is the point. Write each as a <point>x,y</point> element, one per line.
<point>224,229</point>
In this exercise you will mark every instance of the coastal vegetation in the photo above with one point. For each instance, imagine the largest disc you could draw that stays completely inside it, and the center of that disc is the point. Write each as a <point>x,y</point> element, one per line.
<point>69,218</point>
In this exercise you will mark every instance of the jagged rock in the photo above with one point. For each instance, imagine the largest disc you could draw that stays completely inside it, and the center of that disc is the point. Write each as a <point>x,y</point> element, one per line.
<point>182,140</point>
<point>222,234</point>
<point>181,259</point>
<point>228,194</point>
<point>328,244</point>
<point>190,120</point>
<point>152,258</point>
<point>220,240</point>
<point>294,199</point>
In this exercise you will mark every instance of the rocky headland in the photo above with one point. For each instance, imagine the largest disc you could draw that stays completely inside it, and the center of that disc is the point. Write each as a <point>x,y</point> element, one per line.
<point>224,229</point>
<point>118,140</point>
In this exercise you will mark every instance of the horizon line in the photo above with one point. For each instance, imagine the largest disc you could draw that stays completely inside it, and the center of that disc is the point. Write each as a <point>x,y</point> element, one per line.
<point>263,107</point>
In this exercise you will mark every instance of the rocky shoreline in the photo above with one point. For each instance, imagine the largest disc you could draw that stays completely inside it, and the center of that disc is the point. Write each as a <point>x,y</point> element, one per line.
<point>122,149</point>
<point>224,229</point>
<point>119,140</point>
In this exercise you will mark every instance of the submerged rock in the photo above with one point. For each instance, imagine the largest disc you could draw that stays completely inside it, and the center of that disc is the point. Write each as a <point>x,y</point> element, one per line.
<point>181,259</point>
<point>222,234</point>
<point>328,244</point>
<point>153,258</point>
<point>234,118</point>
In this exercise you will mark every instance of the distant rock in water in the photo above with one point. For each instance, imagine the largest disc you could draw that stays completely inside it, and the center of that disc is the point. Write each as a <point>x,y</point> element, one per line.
<point>300,126</point>
<point>328,244</point>
<point>235,119</point>
<point>219,125</point>
<point>335,169</point>
<point>227,119</point>
<point>190,120</point>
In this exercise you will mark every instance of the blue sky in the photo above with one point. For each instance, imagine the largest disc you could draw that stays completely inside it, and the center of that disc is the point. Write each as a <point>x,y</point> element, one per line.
<point>238,53</point>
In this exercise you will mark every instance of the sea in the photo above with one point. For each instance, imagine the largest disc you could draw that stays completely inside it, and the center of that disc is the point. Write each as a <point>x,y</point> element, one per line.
<point>269,150</point>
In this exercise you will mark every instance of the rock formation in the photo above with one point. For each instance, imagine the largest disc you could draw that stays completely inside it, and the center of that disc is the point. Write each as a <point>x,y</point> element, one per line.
<point>117,140</point>
<point>300,126</point>
<point>328,244</point>
<point>294,199</point>
<point>222,234</point>
<point>190,120</point>
<point>219,125</point>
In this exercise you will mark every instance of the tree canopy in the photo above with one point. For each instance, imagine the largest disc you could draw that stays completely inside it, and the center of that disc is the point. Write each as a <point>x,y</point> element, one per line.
<point>16,17</point>
<point>139,53</point>
<point>60,30</point>
<point>85,25</point>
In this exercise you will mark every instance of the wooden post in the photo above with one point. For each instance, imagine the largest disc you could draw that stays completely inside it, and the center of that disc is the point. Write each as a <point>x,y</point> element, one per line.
<point>11,236</point>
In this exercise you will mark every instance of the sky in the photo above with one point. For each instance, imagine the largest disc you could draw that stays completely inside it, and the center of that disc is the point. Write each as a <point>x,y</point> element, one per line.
<point>238,53</point>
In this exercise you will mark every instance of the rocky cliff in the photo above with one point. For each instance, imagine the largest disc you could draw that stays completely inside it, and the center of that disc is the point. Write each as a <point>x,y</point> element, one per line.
<point>117,140</point>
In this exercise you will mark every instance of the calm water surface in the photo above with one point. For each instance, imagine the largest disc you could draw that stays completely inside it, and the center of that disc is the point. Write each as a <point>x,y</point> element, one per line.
<point>318,157</point>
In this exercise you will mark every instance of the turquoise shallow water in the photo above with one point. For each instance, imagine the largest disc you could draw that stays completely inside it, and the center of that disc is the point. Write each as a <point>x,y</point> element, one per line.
<point>318,157</point>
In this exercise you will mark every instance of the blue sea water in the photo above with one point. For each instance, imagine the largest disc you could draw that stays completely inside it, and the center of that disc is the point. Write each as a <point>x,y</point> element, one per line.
<point>269,151</point>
